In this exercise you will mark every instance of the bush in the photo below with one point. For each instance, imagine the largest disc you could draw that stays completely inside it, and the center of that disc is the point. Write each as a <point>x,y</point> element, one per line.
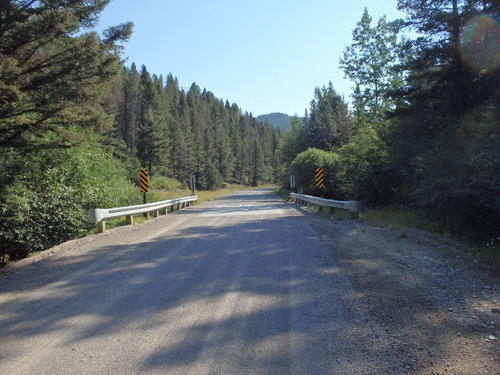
<point>158,182</point>
<point>44,199</point>
<point>304,169</point>
<point>38,217</point>
<point>364,169</point>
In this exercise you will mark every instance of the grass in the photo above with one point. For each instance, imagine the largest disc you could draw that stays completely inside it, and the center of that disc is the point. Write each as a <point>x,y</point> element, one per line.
<point>210,195</point>
<point>283,193</point>
<point>401,220</point>
<point>396,219</point>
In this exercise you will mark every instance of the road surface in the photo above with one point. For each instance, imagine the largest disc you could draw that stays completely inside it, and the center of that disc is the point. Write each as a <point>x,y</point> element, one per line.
<point>240,285</point>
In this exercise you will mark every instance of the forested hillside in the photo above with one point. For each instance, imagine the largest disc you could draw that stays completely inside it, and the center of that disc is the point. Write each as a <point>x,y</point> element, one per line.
<point>276,119</point>
<point>174,133</point>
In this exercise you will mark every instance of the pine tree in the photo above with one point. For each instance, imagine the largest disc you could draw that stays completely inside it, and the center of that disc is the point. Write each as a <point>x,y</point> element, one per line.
<point>292,143</point>
<point>240,150</point>
<point>446,111</point>
<point>52,75</point>
<point>371,62</point>
<point>440,84</point>
<point>195,144</point>
<point>256,163</point>
<point>328,125</point>
<point>132,110</point>
<point>153,141</point>
<point>177,134</point>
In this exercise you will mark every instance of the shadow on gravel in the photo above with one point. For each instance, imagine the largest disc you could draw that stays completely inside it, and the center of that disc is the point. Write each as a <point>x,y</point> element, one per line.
<point>235,296</point>
<point>430,307</point>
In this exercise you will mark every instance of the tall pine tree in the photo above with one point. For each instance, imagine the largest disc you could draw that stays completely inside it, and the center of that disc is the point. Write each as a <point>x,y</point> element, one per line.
<point>328,125</point>
<point>371,63</point>
<point>53,75</point>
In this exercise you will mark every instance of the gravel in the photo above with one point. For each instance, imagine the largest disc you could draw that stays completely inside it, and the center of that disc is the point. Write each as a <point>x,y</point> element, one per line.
<point>437,308</point>
<point>413,304</point>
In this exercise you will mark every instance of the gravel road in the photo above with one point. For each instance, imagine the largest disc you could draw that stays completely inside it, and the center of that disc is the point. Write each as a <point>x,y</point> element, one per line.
<point>249,284</point>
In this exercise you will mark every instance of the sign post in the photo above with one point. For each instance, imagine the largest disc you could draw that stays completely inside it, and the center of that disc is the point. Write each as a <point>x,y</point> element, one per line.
<point>292,182</point>
<point>193,183</point>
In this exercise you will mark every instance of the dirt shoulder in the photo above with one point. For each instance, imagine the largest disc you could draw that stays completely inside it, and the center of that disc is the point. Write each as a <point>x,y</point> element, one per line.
<point>438,309</point>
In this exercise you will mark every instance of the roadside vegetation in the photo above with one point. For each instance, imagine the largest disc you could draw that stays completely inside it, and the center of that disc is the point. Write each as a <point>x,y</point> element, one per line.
<point>420,144</point>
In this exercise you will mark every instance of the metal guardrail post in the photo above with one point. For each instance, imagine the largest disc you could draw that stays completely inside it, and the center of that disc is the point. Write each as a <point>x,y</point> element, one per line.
<point>130,220</point>
<point>101,226</point>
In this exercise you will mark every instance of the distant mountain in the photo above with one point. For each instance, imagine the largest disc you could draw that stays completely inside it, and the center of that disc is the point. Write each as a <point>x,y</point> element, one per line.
<point>278,120</point>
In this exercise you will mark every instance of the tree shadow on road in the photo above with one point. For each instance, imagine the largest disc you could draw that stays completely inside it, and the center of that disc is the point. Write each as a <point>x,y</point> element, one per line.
<point>240,295</point>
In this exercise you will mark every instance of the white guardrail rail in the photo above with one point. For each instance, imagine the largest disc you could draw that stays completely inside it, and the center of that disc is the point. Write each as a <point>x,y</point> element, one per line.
<point>353,206</point>
<point>98,215</point>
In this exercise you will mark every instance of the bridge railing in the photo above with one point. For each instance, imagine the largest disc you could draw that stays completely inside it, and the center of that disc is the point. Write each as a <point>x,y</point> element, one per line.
<point>99,215</point>
<point>353,206</point>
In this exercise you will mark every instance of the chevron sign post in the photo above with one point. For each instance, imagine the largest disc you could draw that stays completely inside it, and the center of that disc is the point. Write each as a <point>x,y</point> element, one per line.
<point>319,178</point>
<point>144,182</point>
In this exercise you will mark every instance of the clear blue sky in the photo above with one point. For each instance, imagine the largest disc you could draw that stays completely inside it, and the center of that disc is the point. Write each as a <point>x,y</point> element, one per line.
<point>265,56</point>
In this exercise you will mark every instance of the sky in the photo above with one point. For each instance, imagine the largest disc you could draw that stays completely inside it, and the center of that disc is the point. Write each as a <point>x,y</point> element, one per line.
<point>264,55</point>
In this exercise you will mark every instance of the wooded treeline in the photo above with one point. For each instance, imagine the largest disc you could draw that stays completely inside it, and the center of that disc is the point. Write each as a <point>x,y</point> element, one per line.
<point>174,133</point>
<point>76,126</point>
<point>424,130</point>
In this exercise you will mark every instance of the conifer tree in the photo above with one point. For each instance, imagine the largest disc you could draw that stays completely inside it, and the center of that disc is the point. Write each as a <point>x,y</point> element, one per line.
<point>371,62</point>
<point>195,144</point>
<point>292,143</point>
<point>132,88</point>
<point>256,163</point>
<point>152,133</point>
<point>328,125</point>
<point>240,150</point>
<point>177,134</point>
<point>440,84</point>
<point>449,104</point>
<point>53,75</point>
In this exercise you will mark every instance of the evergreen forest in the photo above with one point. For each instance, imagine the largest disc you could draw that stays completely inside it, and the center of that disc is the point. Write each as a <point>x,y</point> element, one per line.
<point>421,130</point>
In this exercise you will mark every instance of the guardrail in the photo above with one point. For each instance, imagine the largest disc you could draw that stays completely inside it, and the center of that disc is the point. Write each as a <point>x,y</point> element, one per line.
<point>353,206</point>
<point>99,215</point>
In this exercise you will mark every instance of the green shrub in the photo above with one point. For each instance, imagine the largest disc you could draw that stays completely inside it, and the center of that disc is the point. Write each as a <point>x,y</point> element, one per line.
<point>364,169</point>
<point>44,198</point>
<point>304,169</point>
<point>158,182</point>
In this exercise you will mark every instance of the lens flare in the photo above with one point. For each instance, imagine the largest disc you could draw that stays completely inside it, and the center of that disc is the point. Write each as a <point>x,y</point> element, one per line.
<point>480,44</point>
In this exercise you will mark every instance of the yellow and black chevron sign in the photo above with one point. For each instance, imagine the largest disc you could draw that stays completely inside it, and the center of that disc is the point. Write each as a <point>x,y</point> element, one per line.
<point>144,180</point>
<point>319,177</point>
